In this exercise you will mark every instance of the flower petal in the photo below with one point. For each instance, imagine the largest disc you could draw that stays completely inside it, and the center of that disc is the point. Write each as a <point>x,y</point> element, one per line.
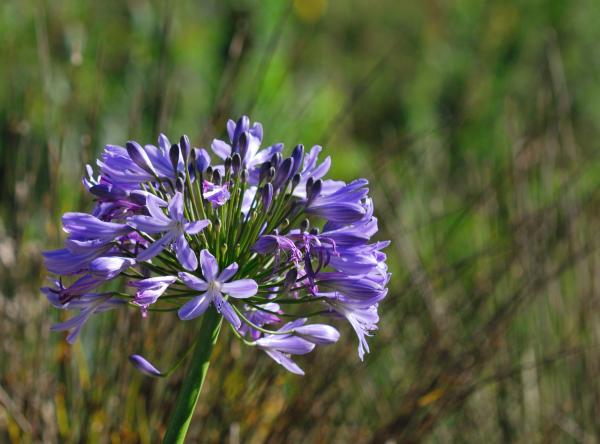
<point>194,307</point>
<point>153,205</point>
<point>226,310</point>
<point>176,206</point>
<point>221,148</point>
<point>228,272</point>
<point>286,344</point>
<point>196,226</point>
<point>243,288</point>
<point>193,282</point>
<point>286,362</point>
<point>149,224</point>
<point>318,333</point>
<point>209,265</point>
<point>185,254</point>
<point>155,248</point>
<point>145,366</point>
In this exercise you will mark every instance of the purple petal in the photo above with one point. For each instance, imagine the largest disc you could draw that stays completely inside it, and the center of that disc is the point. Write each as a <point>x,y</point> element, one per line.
<point>230,128</point>
<point>145,366</point>
<point>286,362</point>
<point>319,333</point>
<point>193,282</point>
<point>176,206</point>
<point>185,254</point>
<point>194,307</point>
<point>110,267</point>
<point>140,157</point>
<point>155,248</point>
<point>226,310</point>
<point>209,265</point>
<point>221,148</point>
<point>286,344</point>
<point>228,272</point>
<point>154,209</point>
<point>148,224</point>
<point>243,288</point>
<point>164,143</point>
<point>202,159</point>
<point>196,226</point>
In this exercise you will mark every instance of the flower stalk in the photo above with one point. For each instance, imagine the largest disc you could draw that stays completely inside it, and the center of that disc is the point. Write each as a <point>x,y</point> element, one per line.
<point>194,378</point>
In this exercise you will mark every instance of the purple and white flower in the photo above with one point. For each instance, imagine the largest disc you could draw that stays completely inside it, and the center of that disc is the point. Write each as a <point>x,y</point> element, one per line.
<point>214,286</point>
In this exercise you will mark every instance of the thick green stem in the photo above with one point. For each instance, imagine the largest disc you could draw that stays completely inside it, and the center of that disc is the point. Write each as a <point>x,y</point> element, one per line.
<point>192,384</point>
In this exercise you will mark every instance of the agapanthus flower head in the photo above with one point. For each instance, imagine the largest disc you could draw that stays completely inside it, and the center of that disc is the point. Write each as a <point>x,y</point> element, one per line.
<point>273,246</point>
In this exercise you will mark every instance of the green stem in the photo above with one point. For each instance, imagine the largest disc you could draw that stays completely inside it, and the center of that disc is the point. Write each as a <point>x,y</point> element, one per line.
<point>196,373</point>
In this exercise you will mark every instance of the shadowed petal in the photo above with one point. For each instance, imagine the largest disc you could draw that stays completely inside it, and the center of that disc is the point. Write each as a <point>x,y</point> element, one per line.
<point>194,307</point>
<point>155,248</point>
<point>226,310</point>
<point>153,205</point>
<point>185,254</point>
<point>176,206</point>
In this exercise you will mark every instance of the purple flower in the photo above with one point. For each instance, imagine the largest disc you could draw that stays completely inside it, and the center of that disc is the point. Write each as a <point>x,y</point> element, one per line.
<point>362,319</point>
<point>85,227</point>
<point>149,290</point>
<point>87,304</point>
<point>280,347</point>
<point>78,288</point>
<point>215,194</point>
<point>246,141</point>
<point>320,334</point>
<point>66,262</point>
<point>174,228</point>
<point>310,170</point>
<point>341,206</point>
<point>145,366</point>
<point>213,286</point>
<point>303,239</point>
<point>130,166</point>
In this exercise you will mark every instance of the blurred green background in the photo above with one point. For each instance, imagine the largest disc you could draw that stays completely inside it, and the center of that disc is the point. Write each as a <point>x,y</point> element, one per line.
<point>476,122</point>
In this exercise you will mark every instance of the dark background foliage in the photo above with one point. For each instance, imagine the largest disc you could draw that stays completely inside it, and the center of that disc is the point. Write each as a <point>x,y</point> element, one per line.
<point>476,122</point>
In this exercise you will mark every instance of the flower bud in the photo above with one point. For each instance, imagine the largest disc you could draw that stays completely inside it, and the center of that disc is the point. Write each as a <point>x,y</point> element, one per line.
<point>145,366</point>
<point>216,177</point>
<point>140,157</point>
<point>276,160</point>
<point>297,155</point>
<point>174,155</point>
<point>184,144</point>
<point>236,163</point>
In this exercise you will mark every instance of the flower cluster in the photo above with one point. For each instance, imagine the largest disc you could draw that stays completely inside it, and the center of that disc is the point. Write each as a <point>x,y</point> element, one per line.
<point>265,240</point>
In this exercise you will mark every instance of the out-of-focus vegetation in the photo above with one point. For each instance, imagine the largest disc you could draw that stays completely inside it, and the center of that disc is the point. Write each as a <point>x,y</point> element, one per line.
<point>477,123</point>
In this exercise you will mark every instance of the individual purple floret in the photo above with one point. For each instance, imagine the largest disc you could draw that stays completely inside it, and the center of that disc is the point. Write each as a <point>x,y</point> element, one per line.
<point>174,228</point>
<point>280,346</point>
<point>149,290</point>
<point>214,286</point>
<point>215,194</point>
<point>88,304</point>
